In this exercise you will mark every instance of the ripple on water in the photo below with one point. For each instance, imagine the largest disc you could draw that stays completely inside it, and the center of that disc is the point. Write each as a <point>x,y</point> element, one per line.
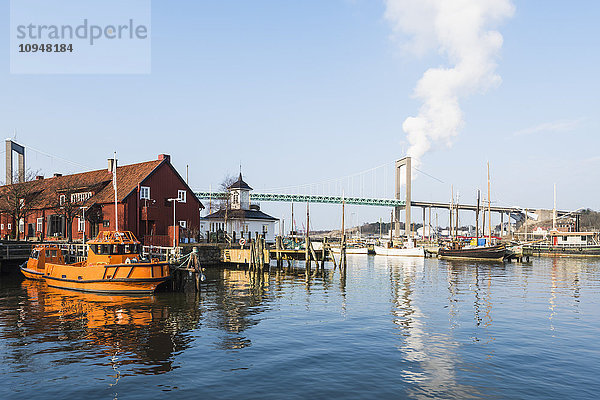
<point>390,328</point>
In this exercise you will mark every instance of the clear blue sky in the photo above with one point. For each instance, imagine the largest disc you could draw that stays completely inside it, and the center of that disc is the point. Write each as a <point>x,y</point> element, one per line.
<point>302,91</point>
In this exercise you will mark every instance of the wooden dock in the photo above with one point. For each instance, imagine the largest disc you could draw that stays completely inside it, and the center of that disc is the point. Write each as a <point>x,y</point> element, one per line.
<point>13,253</point>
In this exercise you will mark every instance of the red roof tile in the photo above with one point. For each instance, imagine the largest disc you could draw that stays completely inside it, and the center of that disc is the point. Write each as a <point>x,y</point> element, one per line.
<point>98,182</point>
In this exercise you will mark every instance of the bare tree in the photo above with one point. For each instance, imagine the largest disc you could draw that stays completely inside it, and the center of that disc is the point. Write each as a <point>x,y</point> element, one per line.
<point>19,200</point>
<point>68,203</point>
<point>225,201</point>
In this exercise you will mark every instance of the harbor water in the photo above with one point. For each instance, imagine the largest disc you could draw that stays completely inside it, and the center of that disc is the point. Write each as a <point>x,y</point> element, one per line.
<point>390,328</point>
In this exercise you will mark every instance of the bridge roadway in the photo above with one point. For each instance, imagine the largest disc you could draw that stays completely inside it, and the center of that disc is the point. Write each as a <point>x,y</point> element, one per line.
<point>300,198</point>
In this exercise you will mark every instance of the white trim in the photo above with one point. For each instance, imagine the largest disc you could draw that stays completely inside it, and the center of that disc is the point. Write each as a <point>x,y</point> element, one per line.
<point>144,192</point>
<point>181,195</point>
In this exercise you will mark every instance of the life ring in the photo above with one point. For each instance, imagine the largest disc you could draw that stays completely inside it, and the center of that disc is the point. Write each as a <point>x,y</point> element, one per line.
<point>242,241</point>
<point>128,261</point>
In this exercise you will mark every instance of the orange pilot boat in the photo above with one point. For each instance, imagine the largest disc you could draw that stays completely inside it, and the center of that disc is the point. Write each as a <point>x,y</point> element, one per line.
<point>113,265</point>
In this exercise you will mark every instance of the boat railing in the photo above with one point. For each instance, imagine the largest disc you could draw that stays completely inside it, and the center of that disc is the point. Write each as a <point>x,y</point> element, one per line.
<point>161,252</point>
<point>74,252</point>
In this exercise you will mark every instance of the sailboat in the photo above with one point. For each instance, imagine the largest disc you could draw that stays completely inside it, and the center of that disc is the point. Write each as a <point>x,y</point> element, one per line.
<point>408,250</point>
<point>487,252</point>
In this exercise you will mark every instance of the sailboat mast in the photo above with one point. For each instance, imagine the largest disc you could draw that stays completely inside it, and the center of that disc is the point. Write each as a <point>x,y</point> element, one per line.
<point>554,210</point>
<point>489,206</point>
<point>477,220</point>
<point>451,209</point>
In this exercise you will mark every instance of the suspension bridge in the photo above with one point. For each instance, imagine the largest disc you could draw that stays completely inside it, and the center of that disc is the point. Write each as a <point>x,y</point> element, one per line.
<point>397,200</point>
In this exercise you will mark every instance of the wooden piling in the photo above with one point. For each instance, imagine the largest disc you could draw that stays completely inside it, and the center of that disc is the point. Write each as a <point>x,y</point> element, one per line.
<point>307,240</point>
<point>343,244</point>
<point>323,253</point>
<point>278,245</point>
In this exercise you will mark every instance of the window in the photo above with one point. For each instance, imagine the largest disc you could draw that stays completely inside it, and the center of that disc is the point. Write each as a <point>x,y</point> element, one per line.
<point>80,224</point>
<point>583,238</point>
<point>62,199</point>
<point>2,226</point>
<point>236,198</point>
<point>21,225</point>
<point>40,225</point>
<point>9,226</point>
<point>183,224</point>
<point>80,197</point>
<point>181,196</point>
<point>565,238</point>
<point>106,223</point>
<point>144,192</point>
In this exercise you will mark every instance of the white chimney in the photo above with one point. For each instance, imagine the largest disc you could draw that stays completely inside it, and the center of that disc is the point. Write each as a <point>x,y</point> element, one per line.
<point>112,163</point>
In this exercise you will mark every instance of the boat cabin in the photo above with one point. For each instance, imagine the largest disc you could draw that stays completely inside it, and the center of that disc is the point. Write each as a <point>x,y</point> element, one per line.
<point>111,247</point>
<point>42,254</point>
<point>574,238</point>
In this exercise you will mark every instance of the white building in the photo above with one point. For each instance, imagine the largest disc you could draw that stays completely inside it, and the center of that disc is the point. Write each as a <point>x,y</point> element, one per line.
<point>244,220</point>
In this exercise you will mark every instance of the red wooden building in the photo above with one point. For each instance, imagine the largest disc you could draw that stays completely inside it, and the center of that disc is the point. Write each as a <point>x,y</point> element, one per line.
<point>146,195</point>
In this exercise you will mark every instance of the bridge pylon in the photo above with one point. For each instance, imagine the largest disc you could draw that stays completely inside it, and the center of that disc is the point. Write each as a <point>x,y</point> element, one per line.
<point>405,162</point>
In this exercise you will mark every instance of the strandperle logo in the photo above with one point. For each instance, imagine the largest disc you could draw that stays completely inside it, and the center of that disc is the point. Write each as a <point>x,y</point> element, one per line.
<point>91,33</point>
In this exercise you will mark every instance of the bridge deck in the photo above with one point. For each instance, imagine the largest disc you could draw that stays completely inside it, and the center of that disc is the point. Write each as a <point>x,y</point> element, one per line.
<point>301,198</point>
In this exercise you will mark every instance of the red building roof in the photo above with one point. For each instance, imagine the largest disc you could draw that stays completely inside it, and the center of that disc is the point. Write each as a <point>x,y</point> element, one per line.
<point>98,182</point>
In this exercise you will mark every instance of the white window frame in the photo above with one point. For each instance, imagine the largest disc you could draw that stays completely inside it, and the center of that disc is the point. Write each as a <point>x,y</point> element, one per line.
<point>2,226</point>
<point>144,192</point>
<point>21,225</point>
<point>80,224</point>
<point>80,197</point>
<point>183,224</point>
<point>62,199</point>
<point>9,227</point>
<point>181,196</point>
<point>40,225</point>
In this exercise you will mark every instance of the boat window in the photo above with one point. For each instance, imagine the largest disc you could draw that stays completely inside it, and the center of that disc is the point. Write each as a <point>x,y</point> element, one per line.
<point>53,253</point>
<point>104,249</point>
<point>35,254</point>
<point>584,238</point>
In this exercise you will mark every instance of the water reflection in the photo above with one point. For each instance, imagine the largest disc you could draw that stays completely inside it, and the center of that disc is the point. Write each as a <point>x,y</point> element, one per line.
<point>411,327</point>
<point>141,332</point>
<point>432,352</point>
<point>239,296</point>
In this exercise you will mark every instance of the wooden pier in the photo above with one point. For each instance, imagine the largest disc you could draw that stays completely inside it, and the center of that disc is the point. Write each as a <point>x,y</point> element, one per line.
<point>13,253</point>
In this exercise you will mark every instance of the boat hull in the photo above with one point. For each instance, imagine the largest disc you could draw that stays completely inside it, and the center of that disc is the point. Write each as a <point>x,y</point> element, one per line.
<point>571,251</point>
<point>406,252</point>
<point>32,274</point>
<point>495,253</point>
<point>108,278</point>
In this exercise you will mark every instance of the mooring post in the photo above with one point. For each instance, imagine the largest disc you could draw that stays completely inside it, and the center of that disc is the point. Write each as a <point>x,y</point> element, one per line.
<point>262,252</point>
<point>252,254</point>
<point>343,249</point>
<point>278,249</point>
<point>307,240</point>
<point>323,253</point>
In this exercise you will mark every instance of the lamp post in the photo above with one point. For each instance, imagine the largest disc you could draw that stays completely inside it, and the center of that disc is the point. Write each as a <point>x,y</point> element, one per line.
<point>174,200</point>
<point>83,213</point>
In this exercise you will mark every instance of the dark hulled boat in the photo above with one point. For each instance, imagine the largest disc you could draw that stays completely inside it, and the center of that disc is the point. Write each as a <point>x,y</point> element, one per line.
<point>491,253</point>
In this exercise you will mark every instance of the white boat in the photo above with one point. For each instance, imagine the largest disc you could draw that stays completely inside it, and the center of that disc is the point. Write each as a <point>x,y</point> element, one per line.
<point>351,250</point>
<point>403,252</point>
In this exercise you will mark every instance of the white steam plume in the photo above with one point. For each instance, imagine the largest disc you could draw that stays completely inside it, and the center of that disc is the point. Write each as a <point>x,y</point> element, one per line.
<point>461,31</point>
